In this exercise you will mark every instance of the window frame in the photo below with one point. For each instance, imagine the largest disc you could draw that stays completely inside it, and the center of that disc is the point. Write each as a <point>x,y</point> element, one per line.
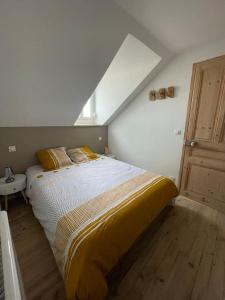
<point>88,120</point>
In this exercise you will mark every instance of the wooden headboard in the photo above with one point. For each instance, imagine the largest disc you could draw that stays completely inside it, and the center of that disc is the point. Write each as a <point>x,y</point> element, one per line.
<point>30,139</point>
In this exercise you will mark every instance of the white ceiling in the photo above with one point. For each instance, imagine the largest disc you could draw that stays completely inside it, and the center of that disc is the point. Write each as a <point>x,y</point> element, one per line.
<point>130,66</point>
<point>179,24</point>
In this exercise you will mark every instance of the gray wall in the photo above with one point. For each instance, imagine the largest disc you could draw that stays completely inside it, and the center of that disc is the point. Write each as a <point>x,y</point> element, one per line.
<point>54,53</point>
<point>28,140</point>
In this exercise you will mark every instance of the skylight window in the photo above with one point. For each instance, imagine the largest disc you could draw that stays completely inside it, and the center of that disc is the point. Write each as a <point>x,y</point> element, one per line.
<point>86,113</point>
<point>87,116</point>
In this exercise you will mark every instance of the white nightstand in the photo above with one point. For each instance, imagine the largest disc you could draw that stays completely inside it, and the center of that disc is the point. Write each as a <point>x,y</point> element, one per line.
<point>18,185</point>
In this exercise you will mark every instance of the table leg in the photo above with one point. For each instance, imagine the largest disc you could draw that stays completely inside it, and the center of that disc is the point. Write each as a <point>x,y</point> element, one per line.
<point>6,202</point>
<point>24,197</point>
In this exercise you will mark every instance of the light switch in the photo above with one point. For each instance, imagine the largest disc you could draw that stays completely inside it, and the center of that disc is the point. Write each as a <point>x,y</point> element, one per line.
<point>12,148</point>
<point>177,131</point>
<point>99,138</point>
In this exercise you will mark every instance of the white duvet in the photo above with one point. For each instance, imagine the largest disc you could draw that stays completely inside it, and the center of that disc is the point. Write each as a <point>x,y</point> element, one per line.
<point>55,193</point>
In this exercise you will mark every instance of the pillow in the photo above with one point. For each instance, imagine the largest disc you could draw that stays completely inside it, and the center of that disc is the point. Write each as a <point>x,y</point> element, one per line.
<point>53,158</point>
<point>80,155</point>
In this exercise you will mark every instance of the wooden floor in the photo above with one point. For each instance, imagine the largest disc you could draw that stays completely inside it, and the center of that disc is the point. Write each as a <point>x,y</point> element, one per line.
<point>182,258</point>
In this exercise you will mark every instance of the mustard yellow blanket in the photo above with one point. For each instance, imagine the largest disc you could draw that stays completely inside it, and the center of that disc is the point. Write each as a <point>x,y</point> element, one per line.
<point>91,238</point>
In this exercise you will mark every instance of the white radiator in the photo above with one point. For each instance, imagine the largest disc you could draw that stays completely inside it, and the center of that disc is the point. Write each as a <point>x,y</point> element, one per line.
<point>10,286</point>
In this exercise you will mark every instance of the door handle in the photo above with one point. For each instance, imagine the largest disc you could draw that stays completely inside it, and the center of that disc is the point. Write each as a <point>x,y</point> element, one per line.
<point>190,143</point>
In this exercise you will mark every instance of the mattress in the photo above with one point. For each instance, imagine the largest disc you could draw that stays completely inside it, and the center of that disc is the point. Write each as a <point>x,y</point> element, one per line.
<point>91,214</point>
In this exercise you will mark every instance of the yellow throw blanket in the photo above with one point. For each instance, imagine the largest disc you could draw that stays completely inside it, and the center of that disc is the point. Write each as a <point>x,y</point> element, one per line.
<point>91,238</point>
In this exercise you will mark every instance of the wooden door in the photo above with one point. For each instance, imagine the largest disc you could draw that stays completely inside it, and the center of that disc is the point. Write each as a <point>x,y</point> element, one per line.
<point>203,164</point>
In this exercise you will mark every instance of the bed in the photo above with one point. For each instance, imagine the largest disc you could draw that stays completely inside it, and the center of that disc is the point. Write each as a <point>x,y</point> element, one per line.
<point>91,214</point>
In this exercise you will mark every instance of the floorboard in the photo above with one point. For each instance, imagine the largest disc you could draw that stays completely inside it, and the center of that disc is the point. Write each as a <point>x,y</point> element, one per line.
<point>182,256</point>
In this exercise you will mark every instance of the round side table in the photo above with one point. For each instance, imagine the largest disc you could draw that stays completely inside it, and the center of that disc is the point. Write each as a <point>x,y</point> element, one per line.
<point>18,185</point>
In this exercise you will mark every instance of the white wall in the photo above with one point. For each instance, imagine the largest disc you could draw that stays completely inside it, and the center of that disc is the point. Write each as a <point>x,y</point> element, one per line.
<point>53,54</point>
<point>143,133</point>
<point>132,63</point>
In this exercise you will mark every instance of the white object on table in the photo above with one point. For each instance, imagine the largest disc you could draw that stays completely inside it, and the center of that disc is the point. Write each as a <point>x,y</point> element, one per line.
<point>18,185</point>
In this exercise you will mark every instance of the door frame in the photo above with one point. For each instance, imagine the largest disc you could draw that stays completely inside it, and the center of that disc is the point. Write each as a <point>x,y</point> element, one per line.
<point>188,114</point>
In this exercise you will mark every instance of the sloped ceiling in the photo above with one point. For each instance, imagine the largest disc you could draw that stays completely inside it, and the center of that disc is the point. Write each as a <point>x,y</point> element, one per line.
<point>53,53</point>
<point>131,65</point>
<point>179,24</point>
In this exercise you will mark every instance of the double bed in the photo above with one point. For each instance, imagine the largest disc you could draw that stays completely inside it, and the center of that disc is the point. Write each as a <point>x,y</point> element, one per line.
<point>92,213</point>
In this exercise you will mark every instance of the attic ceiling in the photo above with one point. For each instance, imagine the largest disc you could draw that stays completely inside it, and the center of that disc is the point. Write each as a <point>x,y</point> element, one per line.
<point>53,54</point>
<point>179,24</point>
<point>133,62</point>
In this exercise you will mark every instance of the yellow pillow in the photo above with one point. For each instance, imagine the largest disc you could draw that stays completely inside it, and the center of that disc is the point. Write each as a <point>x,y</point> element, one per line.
<point>53,158</point>
<point>80,155</point>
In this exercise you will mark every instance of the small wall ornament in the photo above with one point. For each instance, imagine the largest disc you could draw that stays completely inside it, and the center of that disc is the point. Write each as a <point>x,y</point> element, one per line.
<point>152,95</point>
<point>162,93</point>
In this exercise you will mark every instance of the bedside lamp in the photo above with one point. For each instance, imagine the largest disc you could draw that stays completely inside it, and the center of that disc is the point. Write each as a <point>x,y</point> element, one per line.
<point>9,175</point>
